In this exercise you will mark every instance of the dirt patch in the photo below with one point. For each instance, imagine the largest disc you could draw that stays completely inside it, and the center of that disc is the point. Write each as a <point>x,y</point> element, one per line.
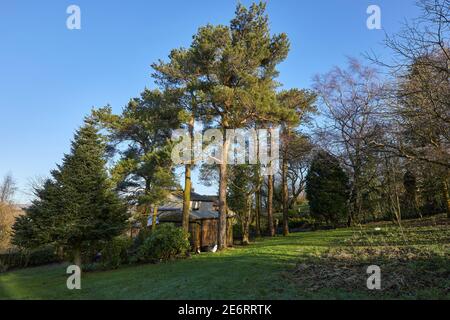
<point>392,236</point>
<point>404,270</point>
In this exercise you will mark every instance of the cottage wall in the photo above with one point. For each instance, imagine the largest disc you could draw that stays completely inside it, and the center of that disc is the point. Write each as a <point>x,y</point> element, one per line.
<point>209,232</point>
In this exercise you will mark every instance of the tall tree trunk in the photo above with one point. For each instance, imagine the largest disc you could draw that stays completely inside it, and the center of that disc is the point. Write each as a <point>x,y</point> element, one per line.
<point>393,192</point>
<point>187,197</point>
<point>230,232</point>
<point>284,182</point>
<point>60,252</point>
<point>399,209</point>
<point>154,216</point>
<point>188,181</point>
<point>77,255</point>
<point>258,189</point>
<point>356,205</point>
<point>396,205</point>
<point>258,212</point>
<point>270,206</point>
<point>222,239</point>
<point>397,199</point>
<point>246,220</point>
<point>446,196</point>
<point>350,218</point>
<point>245,232</point>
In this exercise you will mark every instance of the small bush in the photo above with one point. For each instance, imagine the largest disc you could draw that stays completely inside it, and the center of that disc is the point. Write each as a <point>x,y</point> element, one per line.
<point>92,267</point>
<point>301,222</point>
<point>3,267</point>
<point>237,231</point>
<point>115,253</point>
<point>166,242</point>
<point>43,256</point>
<point>141,237</point>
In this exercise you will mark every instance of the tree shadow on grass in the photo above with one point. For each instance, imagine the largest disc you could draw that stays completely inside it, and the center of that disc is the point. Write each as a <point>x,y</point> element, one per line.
<point>406,272</point>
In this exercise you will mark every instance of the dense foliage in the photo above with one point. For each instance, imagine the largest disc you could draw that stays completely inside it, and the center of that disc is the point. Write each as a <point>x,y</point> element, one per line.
<point>327,189</point>
<point>384,144</point>
<point>78,206</point>
<point>164,243</point>
<point>14,259</point>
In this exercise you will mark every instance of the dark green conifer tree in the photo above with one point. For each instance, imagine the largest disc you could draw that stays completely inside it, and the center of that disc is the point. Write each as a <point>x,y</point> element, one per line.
<point>78,206</point>
<point>327,188</point>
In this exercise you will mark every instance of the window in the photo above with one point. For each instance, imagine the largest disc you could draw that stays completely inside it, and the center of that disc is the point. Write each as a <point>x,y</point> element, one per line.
<point>195,205</point>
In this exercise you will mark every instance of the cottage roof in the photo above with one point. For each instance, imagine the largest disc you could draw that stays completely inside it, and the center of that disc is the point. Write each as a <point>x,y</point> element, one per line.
<point>196,196</point>
<point>176,215</point>
<point>199,197</point>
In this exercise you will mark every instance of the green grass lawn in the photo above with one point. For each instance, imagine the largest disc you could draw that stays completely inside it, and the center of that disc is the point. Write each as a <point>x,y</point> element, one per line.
<point>302,266</point>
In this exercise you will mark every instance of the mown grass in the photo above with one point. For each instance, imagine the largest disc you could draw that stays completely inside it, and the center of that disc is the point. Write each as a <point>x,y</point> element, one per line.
<point>267,269</point>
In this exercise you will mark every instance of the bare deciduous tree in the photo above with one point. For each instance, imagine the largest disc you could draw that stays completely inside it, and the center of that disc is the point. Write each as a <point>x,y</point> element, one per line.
<point>7,209</point>
<point>299,155</point>
<point>420,111</point>
<point>351,100</point>
<point>7,188</point>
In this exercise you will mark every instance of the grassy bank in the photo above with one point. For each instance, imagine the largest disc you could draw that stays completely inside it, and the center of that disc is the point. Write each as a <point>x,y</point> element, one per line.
<point>322,265</point>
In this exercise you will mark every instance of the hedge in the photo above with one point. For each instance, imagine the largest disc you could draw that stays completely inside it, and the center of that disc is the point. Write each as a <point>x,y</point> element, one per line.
<point>28,258</point>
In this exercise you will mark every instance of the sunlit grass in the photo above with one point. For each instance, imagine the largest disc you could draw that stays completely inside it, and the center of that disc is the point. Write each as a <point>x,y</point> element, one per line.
<point>261,270</point>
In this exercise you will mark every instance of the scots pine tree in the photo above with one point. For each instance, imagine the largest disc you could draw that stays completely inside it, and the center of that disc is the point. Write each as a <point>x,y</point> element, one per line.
<point>237,66</point>
<point>141,136</point>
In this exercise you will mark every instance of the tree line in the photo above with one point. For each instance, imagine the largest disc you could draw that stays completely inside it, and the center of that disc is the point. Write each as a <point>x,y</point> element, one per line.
<point>360,145</point>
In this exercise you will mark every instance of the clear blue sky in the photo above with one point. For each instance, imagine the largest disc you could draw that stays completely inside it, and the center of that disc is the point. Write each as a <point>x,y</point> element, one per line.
<point>50,77</point>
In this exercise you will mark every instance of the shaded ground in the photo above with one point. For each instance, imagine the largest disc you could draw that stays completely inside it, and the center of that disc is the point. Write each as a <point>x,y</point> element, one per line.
<point>320,265</point>
<point>414,261</point>
<point>405,272</point>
